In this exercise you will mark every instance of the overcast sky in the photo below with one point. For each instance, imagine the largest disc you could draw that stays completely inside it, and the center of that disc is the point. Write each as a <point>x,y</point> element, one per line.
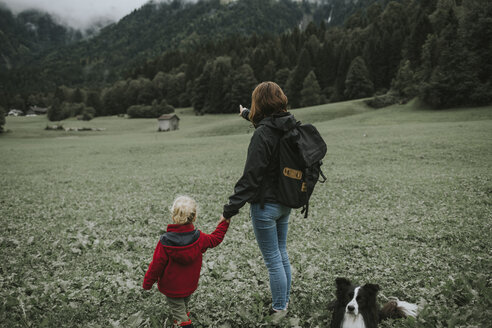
<point>78,13</point>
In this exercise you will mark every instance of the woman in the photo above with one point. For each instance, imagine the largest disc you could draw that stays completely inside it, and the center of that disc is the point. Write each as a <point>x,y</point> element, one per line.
<point>258,183</point>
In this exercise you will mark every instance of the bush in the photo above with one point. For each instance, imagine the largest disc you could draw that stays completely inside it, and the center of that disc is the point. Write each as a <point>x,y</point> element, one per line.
<point>141,111</point>
<point>72,109</point>
<point>88,114</point>
<point>383,101</point>
<point>59,112</point>
<point>154,111</point>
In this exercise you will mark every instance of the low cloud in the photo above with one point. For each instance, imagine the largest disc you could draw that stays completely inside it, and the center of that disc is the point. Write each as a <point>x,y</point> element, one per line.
<point>80,14</point>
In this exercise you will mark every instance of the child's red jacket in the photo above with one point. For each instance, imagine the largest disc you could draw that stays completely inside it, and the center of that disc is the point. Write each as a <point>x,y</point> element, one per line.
<point>177,258</point>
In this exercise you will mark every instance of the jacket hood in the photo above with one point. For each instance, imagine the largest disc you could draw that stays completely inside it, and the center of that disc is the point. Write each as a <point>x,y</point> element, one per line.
<point>282,121</point>
<point>181,242</point>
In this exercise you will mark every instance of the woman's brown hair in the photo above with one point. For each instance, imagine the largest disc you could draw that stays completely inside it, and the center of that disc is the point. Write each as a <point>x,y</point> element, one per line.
<point>267,99</point>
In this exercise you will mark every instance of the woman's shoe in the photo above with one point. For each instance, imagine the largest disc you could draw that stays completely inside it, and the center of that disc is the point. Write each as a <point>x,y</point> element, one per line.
<point>277,315</point>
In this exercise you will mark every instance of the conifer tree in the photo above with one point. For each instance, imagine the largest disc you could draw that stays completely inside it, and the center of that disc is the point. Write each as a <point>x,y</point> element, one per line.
<point>405,84</point>
<point>268,71</point>
<point>94,100</point>
<point>375,56</point>
<point>60,94</point>
<point>420,29</point>
<point>115,98</point>
<point>77,96</point>
<point>55,111</point>
<point>358,84</point>
<point>243,83</point>
<point>176,86</point>
<point>258,60</point>
<point>313,46</point>
<point>311,91</point>
<point>160,84</point>
<point>373,12</point>
<point>326,66</point>
<point>282,76</point>
<point>145,92</point>
<point>218,98</point>
<point>475,31</point>
<point>201,88</point>
<point>296,79</point>
<point>345,57</point>
<point>452,78</point>
<point>394,27</point>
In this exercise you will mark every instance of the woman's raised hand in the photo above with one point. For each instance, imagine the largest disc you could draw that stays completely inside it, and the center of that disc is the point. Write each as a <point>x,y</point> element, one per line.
<point>241,110</point>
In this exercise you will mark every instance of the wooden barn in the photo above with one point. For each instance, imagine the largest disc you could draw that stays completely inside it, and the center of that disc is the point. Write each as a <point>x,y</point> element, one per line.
<point>168,122</point>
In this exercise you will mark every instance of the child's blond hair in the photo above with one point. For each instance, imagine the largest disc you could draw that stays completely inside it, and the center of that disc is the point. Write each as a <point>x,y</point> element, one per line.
<point>184,210</point>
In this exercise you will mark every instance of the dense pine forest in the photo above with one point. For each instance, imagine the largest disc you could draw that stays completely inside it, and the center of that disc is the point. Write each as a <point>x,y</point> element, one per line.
<point>210,55</point>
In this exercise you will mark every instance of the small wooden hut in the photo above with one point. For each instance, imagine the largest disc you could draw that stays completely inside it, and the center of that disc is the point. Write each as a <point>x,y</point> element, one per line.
<point>168,122</point>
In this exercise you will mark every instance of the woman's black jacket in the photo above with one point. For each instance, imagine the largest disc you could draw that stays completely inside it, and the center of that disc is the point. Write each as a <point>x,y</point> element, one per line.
<point>261,170</point>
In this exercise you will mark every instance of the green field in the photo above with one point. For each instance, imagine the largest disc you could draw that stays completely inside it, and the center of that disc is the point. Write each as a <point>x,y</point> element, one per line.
<point>407,205</point>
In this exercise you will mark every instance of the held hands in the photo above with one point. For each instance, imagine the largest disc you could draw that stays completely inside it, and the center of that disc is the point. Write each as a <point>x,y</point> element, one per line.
<point>222,219</point>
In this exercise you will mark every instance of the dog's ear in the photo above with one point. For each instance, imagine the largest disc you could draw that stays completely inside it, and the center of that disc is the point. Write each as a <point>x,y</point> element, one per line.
<point>372,288</point>
<point>342,283</point>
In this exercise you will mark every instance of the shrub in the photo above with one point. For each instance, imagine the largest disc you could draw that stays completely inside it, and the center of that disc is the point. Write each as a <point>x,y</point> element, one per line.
<point>385,100</point>
<point>58,112</point>
<point>140,111</point>
<point>153,111</point>
<point>72,109</point>
<point>88,113</point>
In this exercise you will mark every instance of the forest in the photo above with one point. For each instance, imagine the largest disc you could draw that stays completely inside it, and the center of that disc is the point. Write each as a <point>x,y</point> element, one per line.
<point>437,50</point>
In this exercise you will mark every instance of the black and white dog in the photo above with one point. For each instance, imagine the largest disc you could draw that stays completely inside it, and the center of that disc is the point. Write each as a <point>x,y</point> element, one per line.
<point>356,306</point>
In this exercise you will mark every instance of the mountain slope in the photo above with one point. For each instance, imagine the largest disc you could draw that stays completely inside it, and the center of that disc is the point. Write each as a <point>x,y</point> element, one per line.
<point>143,34</point>
<point>152,29</point>
<point>29,34</point>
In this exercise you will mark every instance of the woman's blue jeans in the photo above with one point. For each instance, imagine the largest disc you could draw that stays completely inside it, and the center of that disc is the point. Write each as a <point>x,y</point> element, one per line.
<point>270,225</point>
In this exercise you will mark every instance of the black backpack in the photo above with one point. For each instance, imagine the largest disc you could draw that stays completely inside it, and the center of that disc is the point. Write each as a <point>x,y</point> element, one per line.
<point>301,150</point>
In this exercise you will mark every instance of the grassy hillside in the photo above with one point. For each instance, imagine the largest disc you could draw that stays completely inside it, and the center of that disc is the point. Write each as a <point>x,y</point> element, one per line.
<point>406,205</point>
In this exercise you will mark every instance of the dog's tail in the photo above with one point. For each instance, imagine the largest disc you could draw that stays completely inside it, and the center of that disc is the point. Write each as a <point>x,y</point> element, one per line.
<point>395,309</point>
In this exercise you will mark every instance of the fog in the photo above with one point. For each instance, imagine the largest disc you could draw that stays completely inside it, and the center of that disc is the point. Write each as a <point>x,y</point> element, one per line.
<point>79,14</point>
<point>82,14</point>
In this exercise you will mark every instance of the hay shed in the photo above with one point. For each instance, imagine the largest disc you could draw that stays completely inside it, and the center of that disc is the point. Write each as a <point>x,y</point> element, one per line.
<point>168,122</point>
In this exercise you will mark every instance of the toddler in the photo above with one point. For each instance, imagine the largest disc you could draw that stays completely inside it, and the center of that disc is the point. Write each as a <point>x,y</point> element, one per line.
<point>177,258</point>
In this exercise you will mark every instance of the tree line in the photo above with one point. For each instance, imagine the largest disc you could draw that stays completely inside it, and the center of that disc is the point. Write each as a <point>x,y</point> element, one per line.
<point>438,50</point>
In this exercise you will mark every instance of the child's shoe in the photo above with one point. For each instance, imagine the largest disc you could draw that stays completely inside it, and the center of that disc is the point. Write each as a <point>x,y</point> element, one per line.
<point>186,324</point>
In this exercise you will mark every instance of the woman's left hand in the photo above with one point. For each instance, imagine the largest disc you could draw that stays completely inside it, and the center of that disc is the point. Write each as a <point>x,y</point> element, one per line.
<point>222,219</point>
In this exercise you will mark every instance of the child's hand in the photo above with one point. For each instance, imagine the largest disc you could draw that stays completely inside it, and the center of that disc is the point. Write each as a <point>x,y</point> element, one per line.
<point>222,219</point>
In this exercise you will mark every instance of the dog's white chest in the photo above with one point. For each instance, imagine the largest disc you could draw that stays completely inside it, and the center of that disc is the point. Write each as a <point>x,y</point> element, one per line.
<point>353,321</point>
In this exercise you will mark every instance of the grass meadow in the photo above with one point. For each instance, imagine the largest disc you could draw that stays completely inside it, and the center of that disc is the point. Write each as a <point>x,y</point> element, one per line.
<point>407,205</point>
